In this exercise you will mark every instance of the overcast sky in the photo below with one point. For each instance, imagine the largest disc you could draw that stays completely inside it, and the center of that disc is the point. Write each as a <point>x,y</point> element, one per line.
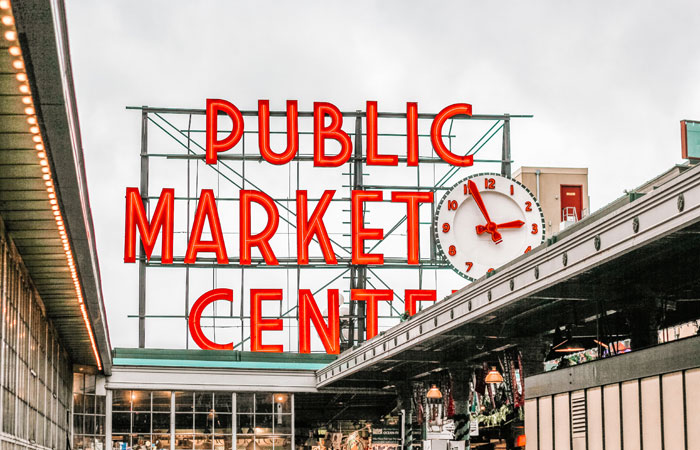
<point>607,82</point>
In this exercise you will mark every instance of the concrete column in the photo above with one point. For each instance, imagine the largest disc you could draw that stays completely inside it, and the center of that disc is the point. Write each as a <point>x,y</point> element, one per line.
<point>108,419</point>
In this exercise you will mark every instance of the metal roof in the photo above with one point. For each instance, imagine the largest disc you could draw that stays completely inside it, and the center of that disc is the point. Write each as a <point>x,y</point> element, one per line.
<point>25,204</point>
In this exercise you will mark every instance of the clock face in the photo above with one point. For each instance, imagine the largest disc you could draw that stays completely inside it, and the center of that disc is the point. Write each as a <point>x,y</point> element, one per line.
<point>486,220</point>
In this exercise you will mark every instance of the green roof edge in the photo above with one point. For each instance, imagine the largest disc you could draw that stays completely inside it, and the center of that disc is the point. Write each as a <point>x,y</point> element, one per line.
<point>134,355</point>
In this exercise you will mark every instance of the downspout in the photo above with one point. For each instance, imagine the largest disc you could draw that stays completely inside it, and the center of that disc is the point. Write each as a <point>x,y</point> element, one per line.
<point>537,195</point>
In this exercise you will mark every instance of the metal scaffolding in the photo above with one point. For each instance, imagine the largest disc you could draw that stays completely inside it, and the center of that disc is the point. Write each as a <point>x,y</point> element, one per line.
<point>172,140</point>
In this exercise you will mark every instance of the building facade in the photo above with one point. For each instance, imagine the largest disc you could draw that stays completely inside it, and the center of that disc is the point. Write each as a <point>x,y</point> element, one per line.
<point>53,318</point>
<point>561,192</point>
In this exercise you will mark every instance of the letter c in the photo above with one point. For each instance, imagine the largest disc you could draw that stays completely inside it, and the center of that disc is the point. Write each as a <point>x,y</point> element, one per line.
<point>196,314</point>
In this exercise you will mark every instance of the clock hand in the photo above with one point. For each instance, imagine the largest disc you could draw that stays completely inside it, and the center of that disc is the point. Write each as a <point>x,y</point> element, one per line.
<point>480,229</point>
<point>513,224</point>
<point>479,201</point>
<point>492,229</point>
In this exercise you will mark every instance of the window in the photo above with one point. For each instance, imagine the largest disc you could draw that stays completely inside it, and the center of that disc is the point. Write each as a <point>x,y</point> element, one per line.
<point>202,420</point>
<point>264,421</point>
<point>140,419</point>
<point>35,388</point>
<point>88,413</point>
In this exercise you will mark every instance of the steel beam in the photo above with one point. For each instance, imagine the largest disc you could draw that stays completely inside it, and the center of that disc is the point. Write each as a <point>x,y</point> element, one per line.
<point>358,113</point>
<point>505,151</point>
<point>142,258</point>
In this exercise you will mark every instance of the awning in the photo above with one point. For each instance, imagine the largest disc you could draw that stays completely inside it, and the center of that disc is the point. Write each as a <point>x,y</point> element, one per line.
<point>43,191</point>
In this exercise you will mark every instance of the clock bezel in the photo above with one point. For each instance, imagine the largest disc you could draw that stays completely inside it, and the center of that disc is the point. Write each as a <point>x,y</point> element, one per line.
<point>460,183</point>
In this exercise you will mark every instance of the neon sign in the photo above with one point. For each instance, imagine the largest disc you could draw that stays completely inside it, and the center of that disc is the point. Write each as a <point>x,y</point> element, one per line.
<point>327,125</point>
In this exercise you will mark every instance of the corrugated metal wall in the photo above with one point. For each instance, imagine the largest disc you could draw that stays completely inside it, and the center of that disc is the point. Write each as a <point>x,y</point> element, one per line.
<point>654,413</point>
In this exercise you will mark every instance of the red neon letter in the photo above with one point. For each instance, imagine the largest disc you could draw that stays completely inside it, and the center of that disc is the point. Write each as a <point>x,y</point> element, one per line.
<point>307,229</point>
<point>372,296</point>
<point>436,134</point>
<point>332,131</point>
<point>264,133</point>
<point>258,324</point>
<point>196,314</point>
<point>412,133</point>
<point>412,200</point>
<point>414,296</point>
<point>360,233</point>
<point>373,158</point>
<point>162,218</point>
<point>308,312</point>
<point>206,209</point>
<point>214,146</point>
<point>261,239</point>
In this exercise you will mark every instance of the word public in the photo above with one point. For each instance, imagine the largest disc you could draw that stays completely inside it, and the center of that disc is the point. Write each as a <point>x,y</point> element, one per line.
<point>328,121</point>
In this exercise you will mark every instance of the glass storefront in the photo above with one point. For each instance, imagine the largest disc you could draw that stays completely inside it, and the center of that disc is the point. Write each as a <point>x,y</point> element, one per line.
<point>141,419</point>
<point>182,420</point>
<point>88,414</point>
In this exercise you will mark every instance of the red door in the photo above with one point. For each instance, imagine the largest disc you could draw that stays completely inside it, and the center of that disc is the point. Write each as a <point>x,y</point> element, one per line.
<point>571,197</point>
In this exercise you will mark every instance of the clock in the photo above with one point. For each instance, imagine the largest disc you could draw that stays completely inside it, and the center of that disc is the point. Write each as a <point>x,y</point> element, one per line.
<point>486,220</point>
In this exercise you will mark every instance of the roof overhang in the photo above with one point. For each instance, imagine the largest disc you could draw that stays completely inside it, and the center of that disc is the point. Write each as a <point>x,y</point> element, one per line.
<point>638,253</point>
<point>221,370</point>
<point>66,274</point>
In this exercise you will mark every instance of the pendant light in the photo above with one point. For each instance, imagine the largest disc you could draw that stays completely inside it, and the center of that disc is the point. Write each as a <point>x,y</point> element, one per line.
<point>493,377</point>
<point>557,339</point>
<point>571,345</point>
<point>433,392</point>
<point>560,339</point>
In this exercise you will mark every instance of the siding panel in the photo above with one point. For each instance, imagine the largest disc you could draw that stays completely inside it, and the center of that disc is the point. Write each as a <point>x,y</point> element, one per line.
<point>611,402</point>
<point>651,413</point>
<point>674,429</point>
<point>545,421</point>
<point>531,424</point>
<point>692,404</point>
<point>562,422</point>
<point>630,415</point>
<point>594,415</point>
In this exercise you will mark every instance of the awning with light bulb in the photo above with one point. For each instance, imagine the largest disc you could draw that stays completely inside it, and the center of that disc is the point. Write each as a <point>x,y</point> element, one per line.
<point>43,193</point>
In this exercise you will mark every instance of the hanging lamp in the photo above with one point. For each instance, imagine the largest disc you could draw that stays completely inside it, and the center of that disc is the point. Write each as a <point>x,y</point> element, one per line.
<point>493,376</point>
<point>571,345</point>
<point>560,339</point>
<point>433,392</point>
